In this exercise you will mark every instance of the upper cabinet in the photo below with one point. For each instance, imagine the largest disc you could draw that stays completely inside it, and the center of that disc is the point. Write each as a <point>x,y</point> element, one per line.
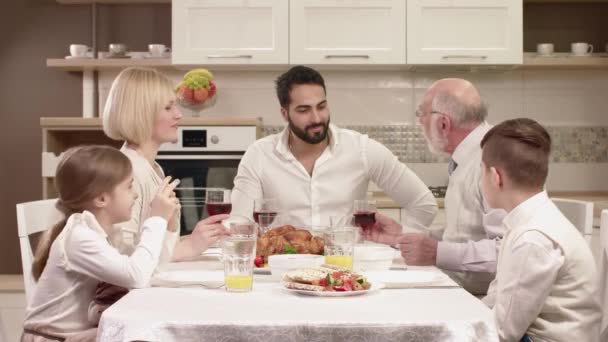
<point>464,32</point>
<point>230,31</point>
<point>347,31</point>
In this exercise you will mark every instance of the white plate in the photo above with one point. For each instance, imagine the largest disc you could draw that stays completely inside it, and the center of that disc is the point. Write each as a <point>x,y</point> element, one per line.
<point>188,277</point>
<point>406,279</point>
<point>375,287</point>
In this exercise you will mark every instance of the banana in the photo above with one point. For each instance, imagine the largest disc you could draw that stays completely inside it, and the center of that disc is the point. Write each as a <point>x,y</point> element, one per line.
<point>203,73</point>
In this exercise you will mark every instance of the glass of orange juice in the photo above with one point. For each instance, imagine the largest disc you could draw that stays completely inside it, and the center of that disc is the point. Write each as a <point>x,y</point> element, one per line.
<point>238,254</point>
<point>339,246</point>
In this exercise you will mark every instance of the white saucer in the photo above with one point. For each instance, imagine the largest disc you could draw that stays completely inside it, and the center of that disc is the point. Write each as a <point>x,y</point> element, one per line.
<point>78,57</point>
<point>547,56</point>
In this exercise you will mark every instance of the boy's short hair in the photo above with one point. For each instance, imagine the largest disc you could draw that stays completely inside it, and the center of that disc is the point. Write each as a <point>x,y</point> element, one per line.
<point>521,147</point>
<point>136,97</point>
<point>297,75</point>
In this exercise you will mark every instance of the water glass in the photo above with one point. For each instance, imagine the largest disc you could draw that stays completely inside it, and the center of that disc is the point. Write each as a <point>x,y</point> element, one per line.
<point>238,254</point>
<point>340,245</point>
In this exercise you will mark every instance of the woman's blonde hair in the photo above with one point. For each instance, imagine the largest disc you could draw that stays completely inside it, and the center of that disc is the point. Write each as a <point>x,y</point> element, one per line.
<point>136,97</point>
<point>84,173</point>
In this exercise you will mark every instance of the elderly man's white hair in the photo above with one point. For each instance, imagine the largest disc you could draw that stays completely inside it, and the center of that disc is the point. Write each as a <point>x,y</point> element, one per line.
<point>459,99</point>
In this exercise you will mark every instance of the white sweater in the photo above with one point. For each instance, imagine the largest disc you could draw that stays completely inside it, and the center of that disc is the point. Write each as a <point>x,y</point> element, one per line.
<point>146,182</point>
<point>79,259</point>
<point>546,282</point>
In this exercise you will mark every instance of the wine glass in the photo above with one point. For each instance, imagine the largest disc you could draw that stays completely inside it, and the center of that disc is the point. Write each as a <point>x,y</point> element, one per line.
<point>218,201</point>
<point>267,206</point>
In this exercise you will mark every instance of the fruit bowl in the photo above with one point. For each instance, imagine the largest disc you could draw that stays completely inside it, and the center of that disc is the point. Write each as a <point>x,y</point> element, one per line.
<point>197,90</point>
<point>196,106</point>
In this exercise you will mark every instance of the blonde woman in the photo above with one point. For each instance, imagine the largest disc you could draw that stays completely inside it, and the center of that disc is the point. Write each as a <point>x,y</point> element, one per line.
<point>141,111</point>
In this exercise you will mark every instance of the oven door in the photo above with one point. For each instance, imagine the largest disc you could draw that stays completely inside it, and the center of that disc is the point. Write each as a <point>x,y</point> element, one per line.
<point>197,172</point>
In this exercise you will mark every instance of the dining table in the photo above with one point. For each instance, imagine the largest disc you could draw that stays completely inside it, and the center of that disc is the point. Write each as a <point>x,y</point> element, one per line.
<point>204,311</point>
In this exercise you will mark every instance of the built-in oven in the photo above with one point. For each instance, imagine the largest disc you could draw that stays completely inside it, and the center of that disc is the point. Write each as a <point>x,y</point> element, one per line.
<point>203,157</point>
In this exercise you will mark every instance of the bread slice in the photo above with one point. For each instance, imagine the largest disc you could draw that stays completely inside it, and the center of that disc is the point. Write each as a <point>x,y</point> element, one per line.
<point>306,287</point>
<point>333,268</point>
<point>304,275</point>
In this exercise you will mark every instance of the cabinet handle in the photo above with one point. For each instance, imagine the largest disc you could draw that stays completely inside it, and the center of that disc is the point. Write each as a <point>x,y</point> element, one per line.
<point>347,56</point>
<point>464,56</point>
<point>230,56</point>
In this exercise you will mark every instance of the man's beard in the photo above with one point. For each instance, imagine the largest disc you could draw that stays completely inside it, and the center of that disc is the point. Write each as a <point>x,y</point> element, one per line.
<point>314,138</point>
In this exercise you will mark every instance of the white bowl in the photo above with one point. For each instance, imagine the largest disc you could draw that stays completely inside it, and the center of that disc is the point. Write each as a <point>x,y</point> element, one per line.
<point>281,263</point>
<point>373,258</point>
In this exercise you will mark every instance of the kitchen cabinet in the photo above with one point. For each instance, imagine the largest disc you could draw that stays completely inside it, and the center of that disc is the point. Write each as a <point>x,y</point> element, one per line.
<point>347,31</point>
<point>230,32</point>
<point>464,32</point>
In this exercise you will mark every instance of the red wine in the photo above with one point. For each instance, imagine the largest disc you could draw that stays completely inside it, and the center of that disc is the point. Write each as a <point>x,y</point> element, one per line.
<point>256,215</point>
<point>219,208</point>
<point>365,219</point>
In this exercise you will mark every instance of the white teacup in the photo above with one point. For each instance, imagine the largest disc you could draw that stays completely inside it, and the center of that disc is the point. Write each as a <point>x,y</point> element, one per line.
<point>79,50</point>
<point>544,49</point>
<point>157,50</point>
<point>117,49</point>
<point>581,49</point>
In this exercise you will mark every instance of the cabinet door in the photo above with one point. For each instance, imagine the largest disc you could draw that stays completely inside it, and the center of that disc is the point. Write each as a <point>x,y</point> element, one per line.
<point>347,31</point>
<point>464,32</point>
<point>230,31</point>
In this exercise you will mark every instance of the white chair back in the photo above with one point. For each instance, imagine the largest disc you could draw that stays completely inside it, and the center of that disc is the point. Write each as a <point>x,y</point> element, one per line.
<point>603,270</point>
<point>580,213</point>
<point>33,217</point>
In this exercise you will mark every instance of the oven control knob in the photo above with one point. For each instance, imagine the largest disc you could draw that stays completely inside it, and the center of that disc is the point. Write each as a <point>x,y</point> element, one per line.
<point>215,139</point>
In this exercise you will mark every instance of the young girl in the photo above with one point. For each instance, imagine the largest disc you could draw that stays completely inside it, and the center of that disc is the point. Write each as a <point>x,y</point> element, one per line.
<point>95,192</point>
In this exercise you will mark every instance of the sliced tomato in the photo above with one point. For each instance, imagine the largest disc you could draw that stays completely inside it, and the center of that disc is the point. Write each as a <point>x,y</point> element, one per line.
<point>323,282</point>
<point>340,288</point>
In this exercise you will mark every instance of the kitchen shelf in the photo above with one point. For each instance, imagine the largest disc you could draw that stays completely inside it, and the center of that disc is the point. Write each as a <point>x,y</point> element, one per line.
<point>531,61</point>
<point>129,2</point>
<point>565,61</point>
<point>116,2</point>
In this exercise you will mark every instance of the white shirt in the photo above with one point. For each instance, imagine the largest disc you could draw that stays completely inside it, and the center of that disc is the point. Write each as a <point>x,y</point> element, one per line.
<point>340,175</point>
<point>545,284</point>
<point>80,258</point>
<point>146,181</point>
<point>472,234</point>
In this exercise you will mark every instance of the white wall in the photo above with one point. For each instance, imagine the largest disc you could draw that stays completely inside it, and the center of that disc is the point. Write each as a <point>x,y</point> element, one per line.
<point>553,97</point>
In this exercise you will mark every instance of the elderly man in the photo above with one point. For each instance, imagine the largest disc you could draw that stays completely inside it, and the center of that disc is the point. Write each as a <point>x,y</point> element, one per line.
<point>316,170</point>
<point>452,116</point>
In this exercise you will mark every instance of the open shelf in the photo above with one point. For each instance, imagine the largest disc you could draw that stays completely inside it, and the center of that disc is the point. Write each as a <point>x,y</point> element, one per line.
<point>116,2</point>
<point>531,61</point>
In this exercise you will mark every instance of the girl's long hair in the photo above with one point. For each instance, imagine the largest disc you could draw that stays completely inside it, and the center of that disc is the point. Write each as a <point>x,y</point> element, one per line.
<point>84,173</point>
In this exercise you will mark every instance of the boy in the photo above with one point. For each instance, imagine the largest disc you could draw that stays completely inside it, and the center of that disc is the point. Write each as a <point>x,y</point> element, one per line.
<point>545,286</point>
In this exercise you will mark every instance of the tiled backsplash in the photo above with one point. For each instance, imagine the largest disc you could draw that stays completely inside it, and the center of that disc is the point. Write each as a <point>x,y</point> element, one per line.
<point>570,144</point>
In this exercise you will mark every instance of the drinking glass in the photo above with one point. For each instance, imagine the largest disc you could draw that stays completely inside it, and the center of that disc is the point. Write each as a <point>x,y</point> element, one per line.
<point>268,206</point>
<point>218,201</point>
<point>339,246</point>
<point>238,254</point>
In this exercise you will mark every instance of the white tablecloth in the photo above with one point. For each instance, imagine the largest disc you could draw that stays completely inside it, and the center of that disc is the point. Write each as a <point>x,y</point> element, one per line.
<point>269,313</point>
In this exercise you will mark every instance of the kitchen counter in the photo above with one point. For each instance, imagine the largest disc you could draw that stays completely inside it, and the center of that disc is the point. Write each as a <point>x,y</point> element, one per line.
<point>207,120</point>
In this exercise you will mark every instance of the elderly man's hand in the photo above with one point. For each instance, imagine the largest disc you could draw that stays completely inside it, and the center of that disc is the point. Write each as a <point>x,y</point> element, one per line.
<point>418,249</point>
<point>385,230</point>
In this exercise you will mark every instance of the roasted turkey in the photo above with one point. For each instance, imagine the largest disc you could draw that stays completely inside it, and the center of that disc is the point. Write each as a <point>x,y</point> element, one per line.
<point>285,239</point>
